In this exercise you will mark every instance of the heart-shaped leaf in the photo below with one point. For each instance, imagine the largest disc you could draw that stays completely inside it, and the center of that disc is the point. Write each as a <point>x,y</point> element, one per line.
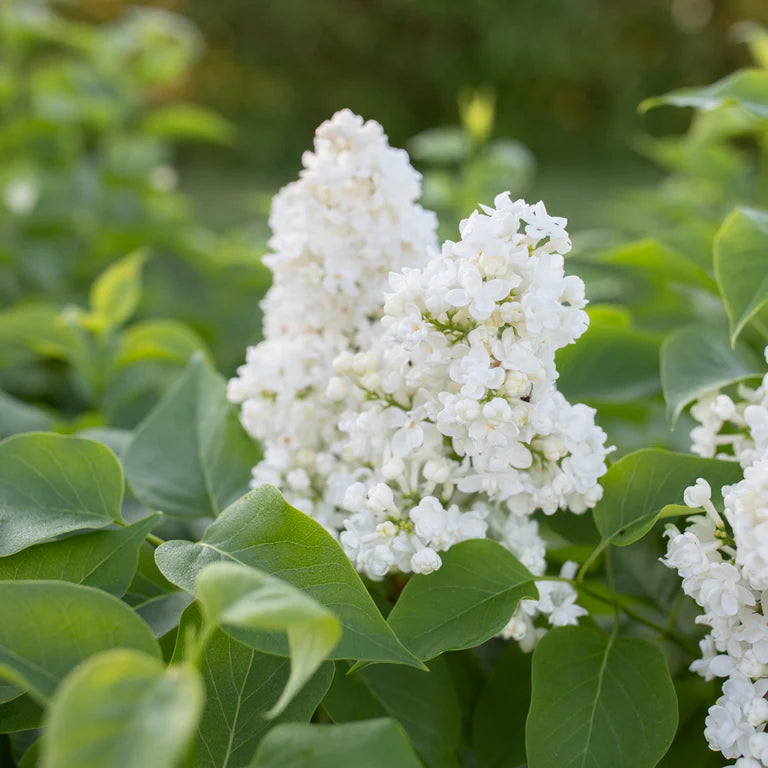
<point>262,531</point>
<point>123,708</point>
<point>190,457</point>
<point>464,603</point>
<point>243,600</point>
<point>56,626</point>
<point>599,701</point>
<point>53,484</point>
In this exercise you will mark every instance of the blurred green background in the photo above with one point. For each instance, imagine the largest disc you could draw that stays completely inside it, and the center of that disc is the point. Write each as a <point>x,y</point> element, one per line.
<point>140,146</point>
<point>567,75</point>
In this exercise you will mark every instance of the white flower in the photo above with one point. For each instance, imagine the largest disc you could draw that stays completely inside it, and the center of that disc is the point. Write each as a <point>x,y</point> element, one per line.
<point>425,561</point>
<point>337,233</point>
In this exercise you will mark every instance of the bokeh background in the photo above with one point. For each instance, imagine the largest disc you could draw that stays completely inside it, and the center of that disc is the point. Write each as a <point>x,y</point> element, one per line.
<point>158,132</point>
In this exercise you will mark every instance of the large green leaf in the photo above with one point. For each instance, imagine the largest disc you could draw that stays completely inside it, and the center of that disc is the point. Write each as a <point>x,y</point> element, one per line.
<point>53,484</point>
<point>55,626</point>
<point>698,359</point>
<point>660,260</point>
<point>190,457</point>
<point>123,708</point>
<point>741,265</point>
<point>377,743</point>
<point>245,603</point>
<point>599,701</point>
<point>263,531</point>
<point>241,686</point>
<point>103,559</point>
<point>424,703</point>
<point>163,612</point>
<point>609,364</point>
<point>498,732</point>
<point>640,485</point>
<point>748,88</point>
<point>20,714</point>
<point>463,604</point>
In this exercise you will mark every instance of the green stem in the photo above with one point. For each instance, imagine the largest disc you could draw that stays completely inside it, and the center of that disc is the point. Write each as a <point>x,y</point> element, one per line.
<point>620,606</point>
<point>154,540</point>
<point>596,552</point>
<point>196,654</point>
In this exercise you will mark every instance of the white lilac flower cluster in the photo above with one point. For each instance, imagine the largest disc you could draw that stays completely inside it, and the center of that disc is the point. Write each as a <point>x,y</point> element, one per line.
<point>725,570</point>
<point>338,231</point>
<point>454,427</point>
<point>732,429</point>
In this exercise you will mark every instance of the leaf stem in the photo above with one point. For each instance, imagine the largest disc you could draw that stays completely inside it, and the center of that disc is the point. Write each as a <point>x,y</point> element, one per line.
<point>596,552</point>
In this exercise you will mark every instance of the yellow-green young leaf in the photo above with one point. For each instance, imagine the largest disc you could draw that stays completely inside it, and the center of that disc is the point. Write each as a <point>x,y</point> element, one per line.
<point>755,35</point>
<point>116,292</point>
<point>599,701</point>
<point>103,559</point>
<point>53,484</point>
<point>42,329</point>
<point>122,709</point>
<point>190,122</point>
<point>241,686</point>
<point>464,603</point>
<point>165,340</point>
<point>748,88</point>
<point>54,626</point>
<point>741,265</point>
<point>638,488</point>
<point>243,600</point>
<point>424,703</point>
<point>699,359</point>
<point>380,743</point>
<point>263,531</point>
<point>190,457</point>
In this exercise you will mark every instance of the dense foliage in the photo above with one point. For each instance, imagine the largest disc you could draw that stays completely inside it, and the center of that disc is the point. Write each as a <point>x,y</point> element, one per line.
<point>454,539</point>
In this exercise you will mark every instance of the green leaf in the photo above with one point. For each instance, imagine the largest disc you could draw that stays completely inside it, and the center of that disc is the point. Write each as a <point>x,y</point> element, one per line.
<point>190,122</point>
<point>262,531</point>
<point>380,743</point>
<point>242,600</point>
<point>441,146</point>
<point>747,88</point>
<point>661,260</point>
<point>116,292</point>
<point>20,714</point>
<point>609,364</point>
<point>163,612</point>
<point>699,359</point>
<point>424,703</point>
<point>123,708</point>
<point>498,733</point>
<point>639,487</point>
<point>17,416</point>
<point>741,265</point>
<point>56,626</point>
<point>103,559</point>
<point>241,686</point>
<point>599,701</point>
<point>464,603</point>
<point>41,329</point>
<point>53,484</point>
<point>190,457</point>
<point>165,340</point>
